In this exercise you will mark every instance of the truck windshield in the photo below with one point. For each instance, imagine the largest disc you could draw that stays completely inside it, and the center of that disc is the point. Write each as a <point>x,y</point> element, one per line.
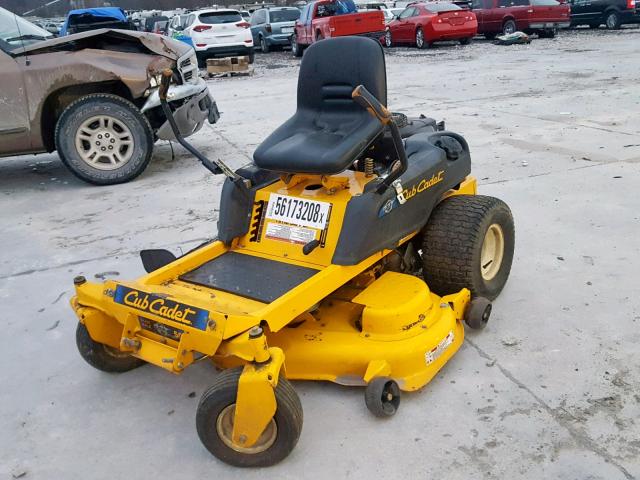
<point>16,31</point>
<point>277,16</point>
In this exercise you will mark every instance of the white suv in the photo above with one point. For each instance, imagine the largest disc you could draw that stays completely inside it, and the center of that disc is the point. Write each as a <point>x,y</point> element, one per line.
<point>221,32</point>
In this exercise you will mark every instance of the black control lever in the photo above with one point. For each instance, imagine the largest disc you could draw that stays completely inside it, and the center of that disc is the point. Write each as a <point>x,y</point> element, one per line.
<point>364,98</point>
<point>215,167</point>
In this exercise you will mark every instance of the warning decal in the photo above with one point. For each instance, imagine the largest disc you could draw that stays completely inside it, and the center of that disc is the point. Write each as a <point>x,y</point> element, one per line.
<point>433,354</point>
<point>289,233</point>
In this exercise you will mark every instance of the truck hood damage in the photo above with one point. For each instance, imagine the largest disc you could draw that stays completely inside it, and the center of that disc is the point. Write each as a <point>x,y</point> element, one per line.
<point>114,40</point>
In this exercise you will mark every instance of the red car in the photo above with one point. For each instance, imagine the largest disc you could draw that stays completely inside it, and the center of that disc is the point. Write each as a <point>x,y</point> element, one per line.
<point>422,24</point>
<point>543,17</point>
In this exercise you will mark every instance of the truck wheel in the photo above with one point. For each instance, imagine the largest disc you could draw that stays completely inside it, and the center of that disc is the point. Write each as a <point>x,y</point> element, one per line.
<point>465,41</point>
<point>508,27</point>
<point>264,46</point>
<point>296,48</point>
<point>101,356</point>
<point>420,41</point>
<point>214,422</point>
<point>549,33</point>
<point>468,243</point>
<point>104,139</point>
<point>612,20</point>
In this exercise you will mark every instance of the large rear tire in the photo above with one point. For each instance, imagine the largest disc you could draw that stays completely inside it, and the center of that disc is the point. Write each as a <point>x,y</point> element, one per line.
<point>468,243</point>
<point>214,422</point>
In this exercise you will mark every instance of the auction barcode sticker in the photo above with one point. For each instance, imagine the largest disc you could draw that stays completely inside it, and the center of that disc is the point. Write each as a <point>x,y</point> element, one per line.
<point>288,233</point>
<point>433,354</point>
<point>298,211</point>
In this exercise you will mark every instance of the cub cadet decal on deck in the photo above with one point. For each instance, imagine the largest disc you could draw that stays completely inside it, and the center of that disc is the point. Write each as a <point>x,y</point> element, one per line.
<point>423,185</point>
<point>163,307</point>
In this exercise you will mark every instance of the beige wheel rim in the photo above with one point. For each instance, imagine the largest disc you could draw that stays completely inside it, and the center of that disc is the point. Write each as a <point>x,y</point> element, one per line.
<point>104,142</point>
<point>224,425</point>
<point>492,252</point>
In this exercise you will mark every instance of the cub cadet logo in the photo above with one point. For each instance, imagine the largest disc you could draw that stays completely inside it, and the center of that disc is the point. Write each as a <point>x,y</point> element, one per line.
<point>424,185</point>
<point>162,307</point>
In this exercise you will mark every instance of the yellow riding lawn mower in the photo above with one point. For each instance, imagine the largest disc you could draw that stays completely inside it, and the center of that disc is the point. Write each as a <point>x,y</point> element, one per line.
<point>350,251</point>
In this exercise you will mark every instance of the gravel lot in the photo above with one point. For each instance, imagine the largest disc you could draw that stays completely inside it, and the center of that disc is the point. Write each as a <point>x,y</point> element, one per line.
<point>551,389</point>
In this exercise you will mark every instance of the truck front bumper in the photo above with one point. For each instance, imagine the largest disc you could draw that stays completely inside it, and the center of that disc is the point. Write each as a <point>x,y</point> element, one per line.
<point>192,104</point>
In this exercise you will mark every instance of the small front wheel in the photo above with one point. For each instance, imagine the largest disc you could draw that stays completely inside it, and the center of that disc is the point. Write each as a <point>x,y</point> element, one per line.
<point>382,397</point>
<point>103,357</point>
<point>215,417</point>
<point>477,313</point>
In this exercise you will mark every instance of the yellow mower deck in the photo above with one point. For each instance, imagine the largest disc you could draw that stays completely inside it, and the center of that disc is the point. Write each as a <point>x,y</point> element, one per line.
<point>346,324</point>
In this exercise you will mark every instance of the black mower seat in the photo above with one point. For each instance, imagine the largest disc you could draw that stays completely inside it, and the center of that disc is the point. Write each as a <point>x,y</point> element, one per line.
<point>329,130</point>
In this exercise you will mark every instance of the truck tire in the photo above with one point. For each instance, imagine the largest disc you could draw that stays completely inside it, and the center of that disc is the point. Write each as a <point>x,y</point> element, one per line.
<point>468,242</point>
<point>508,27</point>
<point>296,48</point>
<point>104,139</point>
<point>612,20</point>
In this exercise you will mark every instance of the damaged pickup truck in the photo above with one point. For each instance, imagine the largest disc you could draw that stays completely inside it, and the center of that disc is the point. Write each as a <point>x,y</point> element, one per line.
<point>93,97</point>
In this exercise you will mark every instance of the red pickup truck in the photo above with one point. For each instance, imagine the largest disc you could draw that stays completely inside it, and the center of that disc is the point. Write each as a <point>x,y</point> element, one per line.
<point>321,19</point>
<point>543,17</point>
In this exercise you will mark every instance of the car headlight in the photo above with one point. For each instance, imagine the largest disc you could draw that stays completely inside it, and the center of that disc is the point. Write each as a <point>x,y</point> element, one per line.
<point>154,81</point>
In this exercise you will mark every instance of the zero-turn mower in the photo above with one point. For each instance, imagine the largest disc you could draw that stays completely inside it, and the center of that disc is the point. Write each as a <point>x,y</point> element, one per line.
<point>351,250</point>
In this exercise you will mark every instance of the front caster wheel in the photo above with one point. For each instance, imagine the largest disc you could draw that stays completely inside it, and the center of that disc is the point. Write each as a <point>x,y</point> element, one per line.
<point>215,416</point>
<point>382,397</point>
<point>477,313</point>
<point>103,357</point>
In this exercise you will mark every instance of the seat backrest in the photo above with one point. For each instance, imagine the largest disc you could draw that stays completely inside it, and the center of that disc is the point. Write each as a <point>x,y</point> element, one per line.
<point>329,130</point>
<point>331,69</point>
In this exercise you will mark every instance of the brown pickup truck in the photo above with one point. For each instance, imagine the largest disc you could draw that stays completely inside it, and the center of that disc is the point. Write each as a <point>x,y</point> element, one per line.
<point>93,97</point>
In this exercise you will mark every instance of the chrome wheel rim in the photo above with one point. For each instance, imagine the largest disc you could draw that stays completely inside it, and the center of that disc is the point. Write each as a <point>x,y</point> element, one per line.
<point>104,143</point>
<point>387,38</point>
<point>224,427</point>
<point>419,39</point>
<point>294,45</point>
<point>611,21</point>
<point>492,252</point>
<point>263,45</point>
<point>509,28</point>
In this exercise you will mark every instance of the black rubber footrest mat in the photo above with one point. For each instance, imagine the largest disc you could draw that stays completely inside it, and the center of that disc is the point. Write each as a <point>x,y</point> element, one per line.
<point>248,276</point>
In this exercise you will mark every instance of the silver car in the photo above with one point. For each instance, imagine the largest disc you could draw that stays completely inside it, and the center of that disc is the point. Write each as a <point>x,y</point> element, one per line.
<point>272,27</point>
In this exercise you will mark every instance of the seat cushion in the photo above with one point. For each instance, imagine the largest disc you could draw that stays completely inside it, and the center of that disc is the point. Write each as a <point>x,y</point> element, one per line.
<point>329,130</point>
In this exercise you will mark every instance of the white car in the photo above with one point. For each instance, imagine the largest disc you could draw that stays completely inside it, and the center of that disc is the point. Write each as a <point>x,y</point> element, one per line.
<point>219,33</point>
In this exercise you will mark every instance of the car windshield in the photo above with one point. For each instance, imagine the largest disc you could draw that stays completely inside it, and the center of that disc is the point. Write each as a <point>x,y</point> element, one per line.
<point>16,32</point>
<point>216,18</point>
<point>544,3</point>
<point>441,7</point>
<point>284,15</point>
